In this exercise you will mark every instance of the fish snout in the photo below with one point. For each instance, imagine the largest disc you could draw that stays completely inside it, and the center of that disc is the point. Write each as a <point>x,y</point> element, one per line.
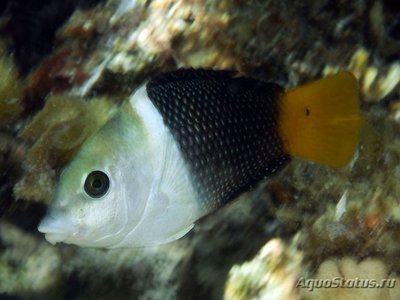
<point>56,227</point>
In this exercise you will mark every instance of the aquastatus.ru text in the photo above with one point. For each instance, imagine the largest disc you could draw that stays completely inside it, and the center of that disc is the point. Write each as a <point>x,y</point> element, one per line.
<point>340,282</point>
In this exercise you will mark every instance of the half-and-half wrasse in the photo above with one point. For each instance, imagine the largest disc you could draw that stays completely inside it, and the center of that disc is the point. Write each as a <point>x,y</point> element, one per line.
<point>186,143</point>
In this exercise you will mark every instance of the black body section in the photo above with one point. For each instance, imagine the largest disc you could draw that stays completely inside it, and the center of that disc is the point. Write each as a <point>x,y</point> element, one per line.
<point>225,126</point>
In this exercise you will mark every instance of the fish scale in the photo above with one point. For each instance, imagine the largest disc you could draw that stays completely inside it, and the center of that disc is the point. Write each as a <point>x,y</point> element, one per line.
<point>225,126</point>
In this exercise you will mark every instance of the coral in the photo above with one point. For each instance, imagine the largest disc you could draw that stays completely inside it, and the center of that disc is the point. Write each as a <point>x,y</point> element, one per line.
<point>375,85</point>
<point>271,274</point>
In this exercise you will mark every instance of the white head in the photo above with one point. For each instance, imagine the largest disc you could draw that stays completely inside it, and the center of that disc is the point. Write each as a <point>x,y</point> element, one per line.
<point>122,188</point>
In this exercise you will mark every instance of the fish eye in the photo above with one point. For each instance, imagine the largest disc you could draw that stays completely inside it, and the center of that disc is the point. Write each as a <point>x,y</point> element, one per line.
<point>97,184</point>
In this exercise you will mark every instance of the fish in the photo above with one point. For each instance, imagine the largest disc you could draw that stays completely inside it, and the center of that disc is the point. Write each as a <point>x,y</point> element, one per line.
<point>186,143</point>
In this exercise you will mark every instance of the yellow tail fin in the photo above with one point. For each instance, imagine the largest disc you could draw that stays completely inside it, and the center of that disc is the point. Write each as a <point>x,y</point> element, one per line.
<point>320,121</point>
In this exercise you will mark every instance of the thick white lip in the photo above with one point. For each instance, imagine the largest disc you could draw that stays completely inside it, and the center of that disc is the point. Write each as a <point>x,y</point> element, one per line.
<point>56,227</point>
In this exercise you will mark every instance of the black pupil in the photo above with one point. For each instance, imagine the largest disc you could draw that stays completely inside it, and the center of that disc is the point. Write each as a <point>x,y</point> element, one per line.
<point>97,184</point>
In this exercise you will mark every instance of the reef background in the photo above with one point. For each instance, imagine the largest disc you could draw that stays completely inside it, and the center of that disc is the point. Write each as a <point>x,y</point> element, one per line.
<point>66,65</point>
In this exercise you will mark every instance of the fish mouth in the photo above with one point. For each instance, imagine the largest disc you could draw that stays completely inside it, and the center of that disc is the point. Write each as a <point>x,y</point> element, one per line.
<point>56,227</point>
